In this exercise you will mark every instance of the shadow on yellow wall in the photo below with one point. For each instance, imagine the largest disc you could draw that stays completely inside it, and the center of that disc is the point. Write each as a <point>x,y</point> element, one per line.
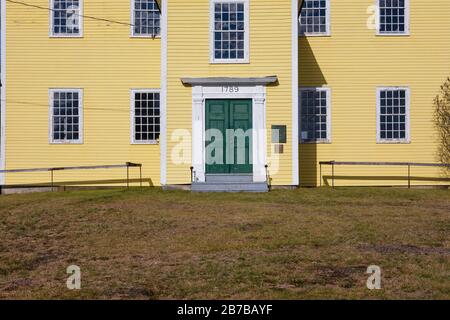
<point>328,179</point>
<point>146,182</point>
<point>310,75</point>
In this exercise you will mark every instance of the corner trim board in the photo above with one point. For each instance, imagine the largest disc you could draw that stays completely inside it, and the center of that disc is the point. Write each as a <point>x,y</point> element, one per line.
<point>3,93</point>
<point>295,140</point>
<point>163,97</point>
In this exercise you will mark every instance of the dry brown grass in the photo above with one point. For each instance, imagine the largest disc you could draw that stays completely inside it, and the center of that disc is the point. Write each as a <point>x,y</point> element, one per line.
<point>149,244</point>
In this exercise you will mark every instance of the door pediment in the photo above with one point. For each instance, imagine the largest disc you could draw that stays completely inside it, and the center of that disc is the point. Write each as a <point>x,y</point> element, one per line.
<point>211,81</point>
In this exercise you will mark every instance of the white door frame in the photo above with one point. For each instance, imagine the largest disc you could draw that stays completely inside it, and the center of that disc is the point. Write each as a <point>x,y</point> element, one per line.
<point>257,93</point>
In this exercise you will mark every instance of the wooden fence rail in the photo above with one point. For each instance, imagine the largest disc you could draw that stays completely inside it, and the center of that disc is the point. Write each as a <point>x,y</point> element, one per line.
<point>127,165</point>
<point>398,164</point>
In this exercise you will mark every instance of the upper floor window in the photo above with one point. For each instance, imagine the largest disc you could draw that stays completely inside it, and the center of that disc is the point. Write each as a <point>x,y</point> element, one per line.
<point>315,17</point>
<point>393,115</point>
<point>393,17</point>
<point>66,18</point>
<point>229,31</point>
<point>315,115</point>
<point>66,116</point>
<point>145,114</point>
<point>146,17</point>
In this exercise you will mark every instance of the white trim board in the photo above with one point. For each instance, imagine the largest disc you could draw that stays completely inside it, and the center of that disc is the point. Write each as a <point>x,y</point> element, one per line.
<point>230,81</point>
<point>163,97</point>
<point>258,95</point>
<point>295,66</point>
<point>3,93</point>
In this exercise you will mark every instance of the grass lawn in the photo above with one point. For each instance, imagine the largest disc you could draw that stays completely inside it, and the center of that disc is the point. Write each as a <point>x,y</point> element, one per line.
<point>288,244</point>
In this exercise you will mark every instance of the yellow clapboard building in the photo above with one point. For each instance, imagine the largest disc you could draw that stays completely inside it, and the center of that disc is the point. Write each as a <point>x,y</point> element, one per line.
<point>223,95</point>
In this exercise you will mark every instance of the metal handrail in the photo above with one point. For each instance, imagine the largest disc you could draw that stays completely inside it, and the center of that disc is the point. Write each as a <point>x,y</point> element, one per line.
<point>53,169</point>
<point>352,163</point>
<point>267,176</point>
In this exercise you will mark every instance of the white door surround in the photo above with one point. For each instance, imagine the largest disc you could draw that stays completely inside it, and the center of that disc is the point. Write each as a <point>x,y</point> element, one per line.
<point>225,90</point>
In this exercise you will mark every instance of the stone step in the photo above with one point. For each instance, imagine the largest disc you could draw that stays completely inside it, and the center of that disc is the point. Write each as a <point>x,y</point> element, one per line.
<point>226,178</point>
<point>229,187</point>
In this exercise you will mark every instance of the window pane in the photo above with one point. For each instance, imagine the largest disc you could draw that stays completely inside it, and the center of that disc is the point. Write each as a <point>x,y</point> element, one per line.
<point>313,17</point>
<point>146,18</point>
<point>393,119</point>
<point>66,17</point>
<point>392,16</point>
<point>66,116</point>
<point>229,30</point>
<point>314,115</point>
<point>146,115</point>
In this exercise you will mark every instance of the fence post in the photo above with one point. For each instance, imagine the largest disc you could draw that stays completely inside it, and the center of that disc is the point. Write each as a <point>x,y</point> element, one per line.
<point>332,174</point>
<point>320,165</point>
<point>51,174</point>
<point>140,175</point>
<point>409,176</point>
<point>128,175</point>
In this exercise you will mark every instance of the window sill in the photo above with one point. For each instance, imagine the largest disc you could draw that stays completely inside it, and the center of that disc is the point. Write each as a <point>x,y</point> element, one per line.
<point>393,142</point>
<point>393,34</point>
<point>66,36</point>
<point>145,143</point>
<point>316,142</point>
<point>66,142</point>
<point>307,35</point>
<point>144,37</point>
<point>234,61</point>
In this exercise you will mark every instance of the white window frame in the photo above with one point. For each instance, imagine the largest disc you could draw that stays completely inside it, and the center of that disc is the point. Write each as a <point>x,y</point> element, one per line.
<point>66,35</point>
<point>246,58</point>
<point>398,34</point>
<point>133,34</point>
<point>327,33</point>
<point>132,116</point>
<point>407,138</point>
<point>80,115</point>
<point>329,126</point>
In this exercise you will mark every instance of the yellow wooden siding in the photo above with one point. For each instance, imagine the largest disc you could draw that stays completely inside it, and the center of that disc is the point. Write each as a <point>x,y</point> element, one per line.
<point>106,63</point>
<point>353,61</point>
<point>188,56</point>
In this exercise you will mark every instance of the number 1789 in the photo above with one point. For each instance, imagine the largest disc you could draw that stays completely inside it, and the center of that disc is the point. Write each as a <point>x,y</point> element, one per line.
<point>230,89</point>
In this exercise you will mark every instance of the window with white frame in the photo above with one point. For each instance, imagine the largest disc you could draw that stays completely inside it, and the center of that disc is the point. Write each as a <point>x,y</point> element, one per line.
<point>230,31</point>
<point>393,17</point>
<point>66,18</point>
<point>315,17</point>
<point>315,115</point>
<point>146,17</point>
<point>66,115</point>
<point>393,114</point>
<point>145,112</point>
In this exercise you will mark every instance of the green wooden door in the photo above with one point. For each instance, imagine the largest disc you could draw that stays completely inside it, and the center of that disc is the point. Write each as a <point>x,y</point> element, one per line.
<point>233,119</point>
<point>217,117</point>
